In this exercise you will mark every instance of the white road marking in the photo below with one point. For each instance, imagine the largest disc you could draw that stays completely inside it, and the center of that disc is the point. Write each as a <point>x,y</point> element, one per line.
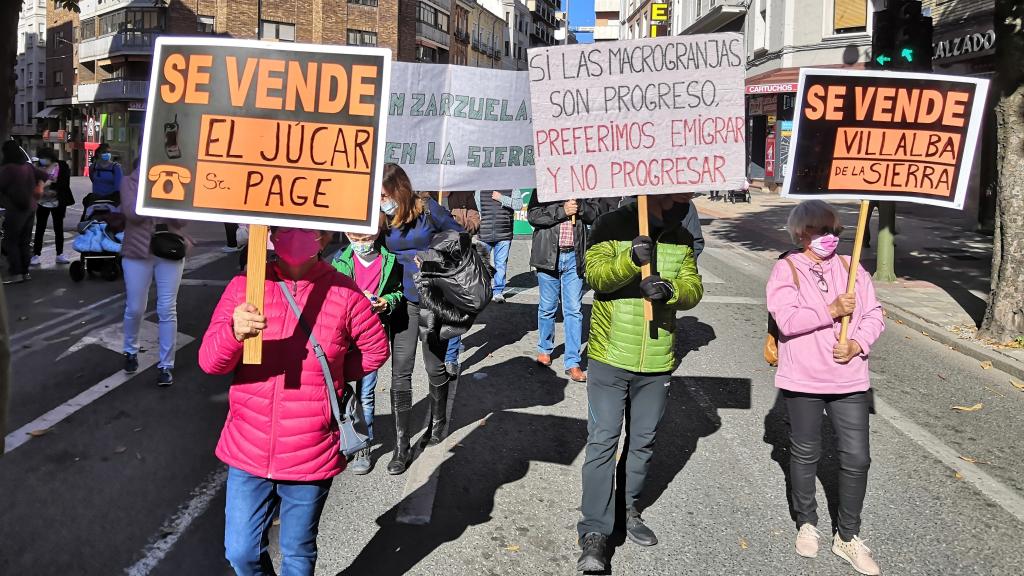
<point>164,540</point>
<point>110,337</point>
<point>50,419</point>
<point>996,491</point>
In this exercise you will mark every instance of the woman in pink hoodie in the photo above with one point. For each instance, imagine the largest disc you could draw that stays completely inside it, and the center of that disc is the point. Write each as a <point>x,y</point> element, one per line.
<point>807,298</point>
<point>280,440</point>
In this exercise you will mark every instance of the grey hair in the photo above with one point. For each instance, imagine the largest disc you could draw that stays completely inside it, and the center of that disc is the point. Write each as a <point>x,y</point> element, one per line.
<point>810,214</point>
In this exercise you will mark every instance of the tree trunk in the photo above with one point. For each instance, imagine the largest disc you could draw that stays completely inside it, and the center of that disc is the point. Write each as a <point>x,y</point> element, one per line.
<point>9,12</point>
<point>1004,318</point>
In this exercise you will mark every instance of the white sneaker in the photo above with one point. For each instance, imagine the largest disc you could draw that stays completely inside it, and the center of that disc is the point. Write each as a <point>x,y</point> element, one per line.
<point>857,554</point>
<point>229,249</point>
<point>62,259</point>
<point>807,541</point>
<point>35,261</point>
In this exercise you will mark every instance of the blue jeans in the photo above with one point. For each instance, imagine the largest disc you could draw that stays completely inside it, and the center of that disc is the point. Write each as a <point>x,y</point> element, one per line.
<point>452,355</point>
<point>138,276</point>
<point>251,505</point>
<point>564,282</point>
<point>367,398</point>
<point>499,251</point>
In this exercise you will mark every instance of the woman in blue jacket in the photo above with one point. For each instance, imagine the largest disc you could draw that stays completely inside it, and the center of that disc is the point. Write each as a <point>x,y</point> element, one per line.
<point>412,222</point>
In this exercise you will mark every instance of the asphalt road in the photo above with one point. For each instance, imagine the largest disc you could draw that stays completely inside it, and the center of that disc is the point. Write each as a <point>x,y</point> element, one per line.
<point>127,483</point>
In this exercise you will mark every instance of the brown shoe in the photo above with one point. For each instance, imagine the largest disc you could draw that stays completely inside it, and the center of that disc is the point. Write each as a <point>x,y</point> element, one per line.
<point>544,359</point>
<point>576,374</point>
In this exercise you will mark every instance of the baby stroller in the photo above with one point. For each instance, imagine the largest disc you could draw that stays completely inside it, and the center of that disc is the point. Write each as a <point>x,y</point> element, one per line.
<point>100,235</point>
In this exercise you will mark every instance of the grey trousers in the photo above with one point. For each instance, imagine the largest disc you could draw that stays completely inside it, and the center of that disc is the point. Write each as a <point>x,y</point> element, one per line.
<point>608,389</point>
<point>849,416</point>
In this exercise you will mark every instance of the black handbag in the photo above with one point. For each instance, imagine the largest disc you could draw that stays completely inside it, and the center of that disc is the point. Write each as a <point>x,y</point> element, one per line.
<point>353,434</point>
<point>166,244</point>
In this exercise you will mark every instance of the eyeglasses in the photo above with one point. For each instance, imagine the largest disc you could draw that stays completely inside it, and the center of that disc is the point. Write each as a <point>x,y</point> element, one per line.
<point>836,230</point>
<point>820,274</point>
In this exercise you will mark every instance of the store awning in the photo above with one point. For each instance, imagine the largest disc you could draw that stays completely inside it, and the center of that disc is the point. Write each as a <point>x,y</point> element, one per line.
<point>783,80</point>
<point>50,112</point>
<point>715,19</point>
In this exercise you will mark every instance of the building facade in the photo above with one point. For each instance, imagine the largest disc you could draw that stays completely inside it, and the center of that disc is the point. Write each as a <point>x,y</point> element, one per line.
<point>459,53</point>
<point>62,126</point>
<point>30,69</point>
<point>544,22</point>
<point>606,20</point>
<point>489,36</point>
<point>431,23</point>
<point>519,21</point>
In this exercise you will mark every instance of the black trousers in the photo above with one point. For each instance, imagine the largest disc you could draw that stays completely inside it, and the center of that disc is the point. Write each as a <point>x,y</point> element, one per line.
<point>42,215</point>
<point>608,389</point>
<point>849,416</point>
<point>231,235</point>
<point>18,240</point>
<point>405,336</point>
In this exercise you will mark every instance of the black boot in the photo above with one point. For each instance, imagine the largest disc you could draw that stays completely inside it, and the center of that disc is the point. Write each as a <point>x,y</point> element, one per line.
<point>401,407</point>
<point>438,413</point>
<point>593,558</point>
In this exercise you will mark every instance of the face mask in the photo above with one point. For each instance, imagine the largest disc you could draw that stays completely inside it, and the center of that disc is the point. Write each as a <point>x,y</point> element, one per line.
<point>825,245</point>
<point>105,156</point>
<point>296,247</point>
<point>44,162</point>
<point>388,207</point>
<point>363,248</point>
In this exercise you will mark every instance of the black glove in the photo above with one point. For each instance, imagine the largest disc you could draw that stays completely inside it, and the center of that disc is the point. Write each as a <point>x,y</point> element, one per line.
<point>641,250</point>
<point>656,289</point>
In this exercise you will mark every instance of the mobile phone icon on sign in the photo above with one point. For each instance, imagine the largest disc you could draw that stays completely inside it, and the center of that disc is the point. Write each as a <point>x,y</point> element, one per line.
<point>171,139</point>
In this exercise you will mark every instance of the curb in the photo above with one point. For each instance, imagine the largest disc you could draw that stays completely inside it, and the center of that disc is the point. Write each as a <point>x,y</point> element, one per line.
<point>940,334</point>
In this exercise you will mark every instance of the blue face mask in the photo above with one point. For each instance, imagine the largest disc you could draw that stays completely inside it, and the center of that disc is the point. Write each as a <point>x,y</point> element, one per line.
<point>105,156</point>
<point>388,207</point>
<point>44,161</point>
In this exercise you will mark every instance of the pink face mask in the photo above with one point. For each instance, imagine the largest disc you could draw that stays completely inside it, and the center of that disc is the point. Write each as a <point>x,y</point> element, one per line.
<point>296,246</point>
<point>825,245</point>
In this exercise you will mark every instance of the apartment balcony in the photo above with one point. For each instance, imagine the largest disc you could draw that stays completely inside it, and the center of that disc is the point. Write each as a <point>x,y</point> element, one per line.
<point>113,90</point>
<point>431,34</point>
<point>462,36</point>
<point>93,8</point>
<point>120,44</point>
<point>445,5</point>
<point>606,32</point>
<point>717,17</point>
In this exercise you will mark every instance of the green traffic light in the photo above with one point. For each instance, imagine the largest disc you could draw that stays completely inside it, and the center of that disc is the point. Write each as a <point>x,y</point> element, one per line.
<point>883,59</point>
<point>908,54</point>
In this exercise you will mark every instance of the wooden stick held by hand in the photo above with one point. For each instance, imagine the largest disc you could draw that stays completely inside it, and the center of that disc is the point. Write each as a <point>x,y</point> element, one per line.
<point>862,223</point>
<point>645,270</point>
<point>255,278</point>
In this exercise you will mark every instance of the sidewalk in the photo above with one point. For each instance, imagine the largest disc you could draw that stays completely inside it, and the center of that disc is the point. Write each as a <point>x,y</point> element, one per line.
<point>942,264</point>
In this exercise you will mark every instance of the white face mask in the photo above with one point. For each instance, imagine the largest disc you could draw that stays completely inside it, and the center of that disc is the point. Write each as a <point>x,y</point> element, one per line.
<point>388,207</point>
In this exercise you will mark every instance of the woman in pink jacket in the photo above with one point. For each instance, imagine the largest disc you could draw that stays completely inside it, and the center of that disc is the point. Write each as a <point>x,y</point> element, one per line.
<point>280,441</point>
<point>807,297</point>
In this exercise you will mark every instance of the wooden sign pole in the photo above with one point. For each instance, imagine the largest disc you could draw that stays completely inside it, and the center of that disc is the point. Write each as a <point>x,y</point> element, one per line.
<point>862,224</point>
<point>255,278</point>
<point>645,270</point>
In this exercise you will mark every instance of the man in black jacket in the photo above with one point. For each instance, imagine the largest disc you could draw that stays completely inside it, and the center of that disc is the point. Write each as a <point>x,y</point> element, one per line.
<point>558,255</point>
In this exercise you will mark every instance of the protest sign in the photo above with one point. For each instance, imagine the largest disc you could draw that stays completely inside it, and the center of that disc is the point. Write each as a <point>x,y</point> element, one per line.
<point>265,133</point>
<point>869,135</point>
<point>653,116</point>
<point>460,128</point>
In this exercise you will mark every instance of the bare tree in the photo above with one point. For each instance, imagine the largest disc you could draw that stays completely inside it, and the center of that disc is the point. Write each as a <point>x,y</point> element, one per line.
<point>1004,319</point>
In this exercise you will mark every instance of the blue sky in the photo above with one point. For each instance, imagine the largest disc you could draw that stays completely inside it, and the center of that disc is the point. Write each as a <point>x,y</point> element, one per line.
<point>581,13</point>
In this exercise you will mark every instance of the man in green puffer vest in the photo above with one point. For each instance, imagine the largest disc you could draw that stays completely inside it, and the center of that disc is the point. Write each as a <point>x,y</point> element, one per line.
<point>630,358</point>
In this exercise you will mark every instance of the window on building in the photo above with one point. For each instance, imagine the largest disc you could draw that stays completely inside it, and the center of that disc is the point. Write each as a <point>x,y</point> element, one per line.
<point>21,114</point>
<point>147,20</point>
<point>849,16</point>
<point>42,75</point>
<point>39,106</point>
<point>431,16</point>
<point>111,23</point>
<point>58,78</point>
<point>28,75</point>
<point>761,25</point>
<point>42,3</point>
<point>88,28</point>
<point>426,54</point>
<point>363,2</point>
<point>361,38</point>
<point>205,24</point>
<point>280,31</point>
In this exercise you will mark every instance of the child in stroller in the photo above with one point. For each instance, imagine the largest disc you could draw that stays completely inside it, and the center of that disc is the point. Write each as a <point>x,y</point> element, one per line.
<point>100,234</point>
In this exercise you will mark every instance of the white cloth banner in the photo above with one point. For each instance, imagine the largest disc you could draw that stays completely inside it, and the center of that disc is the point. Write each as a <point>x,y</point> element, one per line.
<point>460,128</point>
<point>653,116</point>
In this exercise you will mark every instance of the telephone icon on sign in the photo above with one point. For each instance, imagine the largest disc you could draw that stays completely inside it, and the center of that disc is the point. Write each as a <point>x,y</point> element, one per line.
<point>168,181</point>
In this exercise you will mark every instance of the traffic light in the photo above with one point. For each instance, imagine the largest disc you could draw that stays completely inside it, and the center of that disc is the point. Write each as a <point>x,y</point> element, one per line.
<point>901,37</point>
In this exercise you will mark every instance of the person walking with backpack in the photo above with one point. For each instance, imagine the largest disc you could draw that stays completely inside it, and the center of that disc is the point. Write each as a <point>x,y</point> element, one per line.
<point>630,368</point>
<point>497,216</point>
<point>379,276</point>
<point>56,198</point>
<point>21,186</point>
<point>280,440</point>
<point>559,245</point>
<point>817,373</point>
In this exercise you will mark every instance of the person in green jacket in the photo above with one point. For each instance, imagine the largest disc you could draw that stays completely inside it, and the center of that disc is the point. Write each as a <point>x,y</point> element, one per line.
<point>629,358</point>
<point>379,276</point>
